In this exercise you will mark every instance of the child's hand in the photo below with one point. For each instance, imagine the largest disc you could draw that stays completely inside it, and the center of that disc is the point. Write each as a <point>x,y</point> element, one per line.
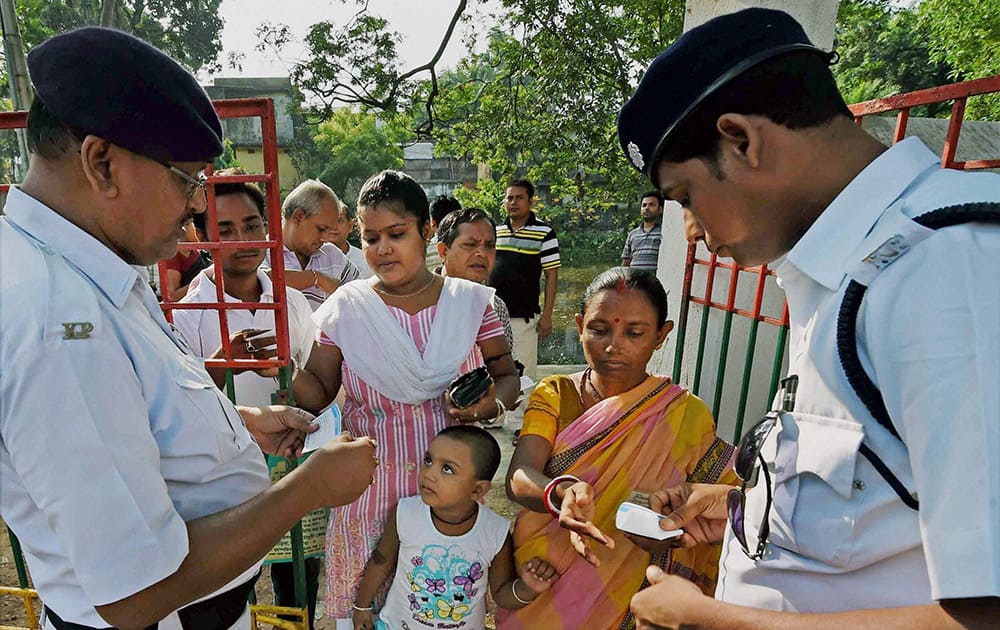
<point>538,575</point>
<point>364,620</point>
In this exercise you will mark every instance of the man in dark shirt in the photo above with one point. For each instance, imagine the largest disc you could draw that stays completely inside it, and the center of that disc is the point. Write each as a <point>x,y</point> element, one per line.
<point>526,247</point>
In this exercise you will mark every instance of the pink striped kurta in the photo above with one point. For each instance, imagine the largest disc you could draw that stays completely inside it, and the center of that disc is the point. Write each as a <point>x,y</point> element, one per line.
<point>403,432</point>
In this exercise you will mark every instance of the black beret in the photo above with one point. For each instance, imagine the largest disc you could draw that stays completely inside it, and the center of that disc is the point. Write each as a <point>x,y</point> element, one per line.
<point>113,85</point>
<point>696,65</point>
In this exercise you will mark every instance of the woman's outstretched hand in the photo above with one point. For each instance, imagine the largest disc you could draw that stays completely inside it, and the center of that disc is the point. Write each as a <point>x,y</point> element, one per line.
<point>576,514</point>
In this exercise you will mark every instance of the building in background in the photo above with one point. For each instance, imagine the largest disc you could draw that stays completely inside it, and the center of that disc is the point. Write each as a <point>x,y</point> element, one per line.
<point>438,175</point>
<point>244,133</point>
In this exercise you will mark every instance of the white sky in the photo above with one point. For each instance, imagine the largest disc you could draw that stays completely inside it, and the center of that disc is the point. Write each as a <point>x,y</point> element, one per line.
<point>421,23</point>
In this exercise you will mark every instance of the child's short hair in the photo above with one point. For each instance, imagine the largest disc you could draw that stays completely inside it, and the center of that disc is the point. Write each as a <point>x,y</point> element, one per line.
<point>484,447</point>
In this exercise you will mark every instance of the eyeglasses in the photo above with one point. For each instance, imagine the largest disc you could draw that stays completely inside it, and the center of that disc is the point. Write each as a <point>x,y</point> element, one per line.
<point>194,184</point>
<point>747,456</point>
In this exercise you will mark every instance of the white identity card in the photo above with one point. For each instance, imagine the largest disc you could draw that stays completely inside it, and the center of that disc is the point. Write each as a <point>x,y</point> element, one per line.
<point>329,429</point>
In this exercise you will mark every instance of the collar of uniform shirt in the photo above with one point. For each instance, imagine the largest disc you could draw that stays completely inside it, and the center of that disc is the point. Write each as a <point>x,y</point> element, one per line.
<point>873,190</point>
<point>112,275</point>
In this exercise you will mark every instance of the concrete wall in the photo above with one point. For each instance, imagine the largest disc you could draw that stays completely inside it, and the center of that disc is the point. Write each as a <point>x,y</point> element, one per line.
<point>979,139</point>
<point>246,131</point>
<point>252,159</point>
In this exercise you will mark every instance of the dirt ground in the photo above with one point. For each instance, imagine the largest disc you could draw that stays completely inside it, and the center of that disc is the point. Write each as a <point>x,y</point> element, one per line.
<point>12,611</point>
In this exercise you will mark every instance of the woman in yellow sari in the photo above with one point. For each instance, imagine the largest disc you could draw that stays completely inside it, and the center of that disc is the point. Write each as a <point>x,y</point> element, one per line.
<point>595,439</point>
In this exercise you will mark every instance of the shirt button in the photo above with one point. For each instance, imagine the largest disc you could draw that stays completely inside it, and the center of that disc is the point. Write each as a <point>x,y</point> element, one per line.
<point>859,485</point>
<point>410,466</point>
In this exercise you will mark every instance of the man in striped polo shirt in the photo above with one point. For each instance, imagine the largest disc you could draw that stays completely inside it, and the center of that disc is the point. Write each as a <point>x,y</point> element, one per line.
<point>642,247</point>
<point>526,247</point>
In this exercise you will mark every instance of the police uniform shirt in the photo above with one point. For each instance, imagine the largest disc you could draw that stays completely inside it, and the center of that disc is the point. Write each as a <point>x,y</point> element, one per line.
<point>201,330</point>
<point>928,329</point>
<point>113,435</point>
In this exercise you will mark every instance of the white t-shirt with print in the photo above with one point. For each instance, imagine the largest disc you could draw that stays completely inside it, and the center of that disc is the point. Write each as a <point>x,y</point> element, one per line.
<point>441,581</point>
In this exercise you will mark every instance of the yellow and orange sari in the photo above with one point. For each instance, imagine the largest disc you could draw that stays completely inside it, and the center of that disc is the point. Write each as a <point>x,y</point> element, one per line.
<point>654,436</point>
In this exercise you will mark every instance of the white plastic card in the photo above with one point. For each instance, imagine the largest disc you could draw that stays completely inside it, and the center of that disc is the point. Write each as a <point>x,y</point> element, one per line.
<point>329,429</point>
<point>642,521</point>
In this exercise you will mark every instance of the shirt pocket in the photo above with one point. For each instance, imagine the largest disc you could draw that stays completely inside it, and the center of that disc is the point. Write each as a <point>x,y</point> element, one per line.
<point>212,411</point>
<point>814,468</point>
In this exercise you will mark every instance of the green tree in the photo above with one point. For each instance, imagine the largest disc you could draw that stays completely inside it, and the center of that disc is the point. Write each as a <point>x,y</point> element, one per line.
<point>543,98</point>
<point>357,63</point>
<point>188,30</point>
<point>228,158</point>
<point>884,50</point>
<point>541,101</point>
<point>540,96</point>
<point>352,146</point>
<point>965,34</point>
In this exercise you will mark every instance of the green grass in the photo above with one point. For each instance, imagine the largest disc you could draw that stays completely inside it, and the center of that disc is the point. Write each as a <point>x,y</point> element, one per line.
<point>562,347</point>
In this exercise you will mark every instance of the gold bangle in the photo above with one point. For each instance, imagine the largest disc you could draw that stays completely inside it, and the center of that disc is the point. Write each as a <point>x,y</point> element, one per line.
<point>315,280</point>
<point>371,608</point>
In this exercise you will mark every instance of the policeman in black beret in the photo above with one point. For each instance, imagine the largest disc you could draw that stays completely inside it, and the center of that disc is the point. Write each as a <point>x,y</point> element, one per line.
<point>134,485</point>
<point>879,504</point>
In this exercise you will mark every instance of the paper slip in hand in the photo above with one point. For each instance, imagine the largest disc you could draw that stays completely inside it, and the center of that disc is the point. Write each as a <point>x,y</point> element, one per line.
<point>329,429</point>
<point>643,521</point>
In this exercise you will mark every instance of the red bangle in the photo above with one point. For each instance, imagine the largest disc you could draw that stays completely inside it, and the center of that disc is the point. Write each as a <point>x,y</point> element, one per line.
<point>550,489</point>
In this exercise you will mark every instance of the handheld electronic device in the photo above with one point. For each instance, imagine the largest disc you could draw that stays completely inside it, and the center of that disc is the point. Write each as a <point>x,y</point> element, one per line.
<point>642,521</point>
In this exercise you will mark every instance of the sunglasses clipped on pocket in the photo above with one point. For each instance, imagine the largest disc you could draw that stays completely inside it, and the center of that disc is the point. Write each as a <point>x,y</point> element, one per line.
<point>747,455</point>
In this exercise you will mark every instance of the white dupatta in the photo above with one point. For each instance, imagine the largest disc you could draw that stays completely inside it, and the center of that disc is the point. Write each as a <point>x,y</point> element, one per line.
<point>381,353</point>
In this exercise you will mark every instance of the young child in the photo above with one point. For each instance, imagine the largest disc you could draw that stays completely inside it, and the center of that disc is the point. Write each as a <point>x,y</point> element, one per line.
<point>445,546</point>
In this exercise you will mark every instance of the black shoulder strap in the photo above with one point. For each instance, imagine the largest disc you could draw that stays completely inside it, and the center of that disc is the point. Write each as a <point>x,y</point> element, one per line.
<point>847,342</point>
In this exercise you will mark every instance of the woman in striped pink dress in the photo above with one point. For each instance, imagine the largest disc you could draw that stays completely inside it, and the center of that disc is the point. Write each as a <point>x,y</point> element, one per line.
<point>394,342</point>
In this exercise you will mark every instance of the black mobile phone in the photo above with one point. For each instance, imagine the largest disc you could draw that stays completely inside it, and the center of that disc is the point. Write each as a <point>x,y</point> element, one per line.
<point>469,387</point>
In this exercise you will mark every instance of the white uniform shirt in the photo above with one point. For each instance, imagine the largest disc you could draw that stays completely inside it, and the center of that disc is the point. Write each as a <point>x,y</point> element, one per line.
<point>329,261</point>
<point>357,258</point>
<point>929,334</point>
<point>113,435</point>
<point>201,329</point>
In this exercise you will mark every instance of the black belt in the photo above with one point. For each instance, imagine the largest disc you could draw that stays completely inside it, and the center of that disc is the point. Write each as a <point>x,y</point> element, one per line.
<point>215,613</point>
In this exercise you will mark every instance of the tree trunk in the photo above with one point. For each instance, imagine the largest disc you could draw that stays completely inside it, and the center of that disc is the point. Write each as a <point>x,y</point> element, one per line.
<point>17,75</point>
<point>108,12</point>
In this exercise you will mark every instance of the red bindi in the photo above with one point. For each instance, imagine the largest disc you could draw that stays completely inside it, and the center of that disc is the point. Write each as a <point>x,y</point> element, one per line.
<point>617,320</point>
